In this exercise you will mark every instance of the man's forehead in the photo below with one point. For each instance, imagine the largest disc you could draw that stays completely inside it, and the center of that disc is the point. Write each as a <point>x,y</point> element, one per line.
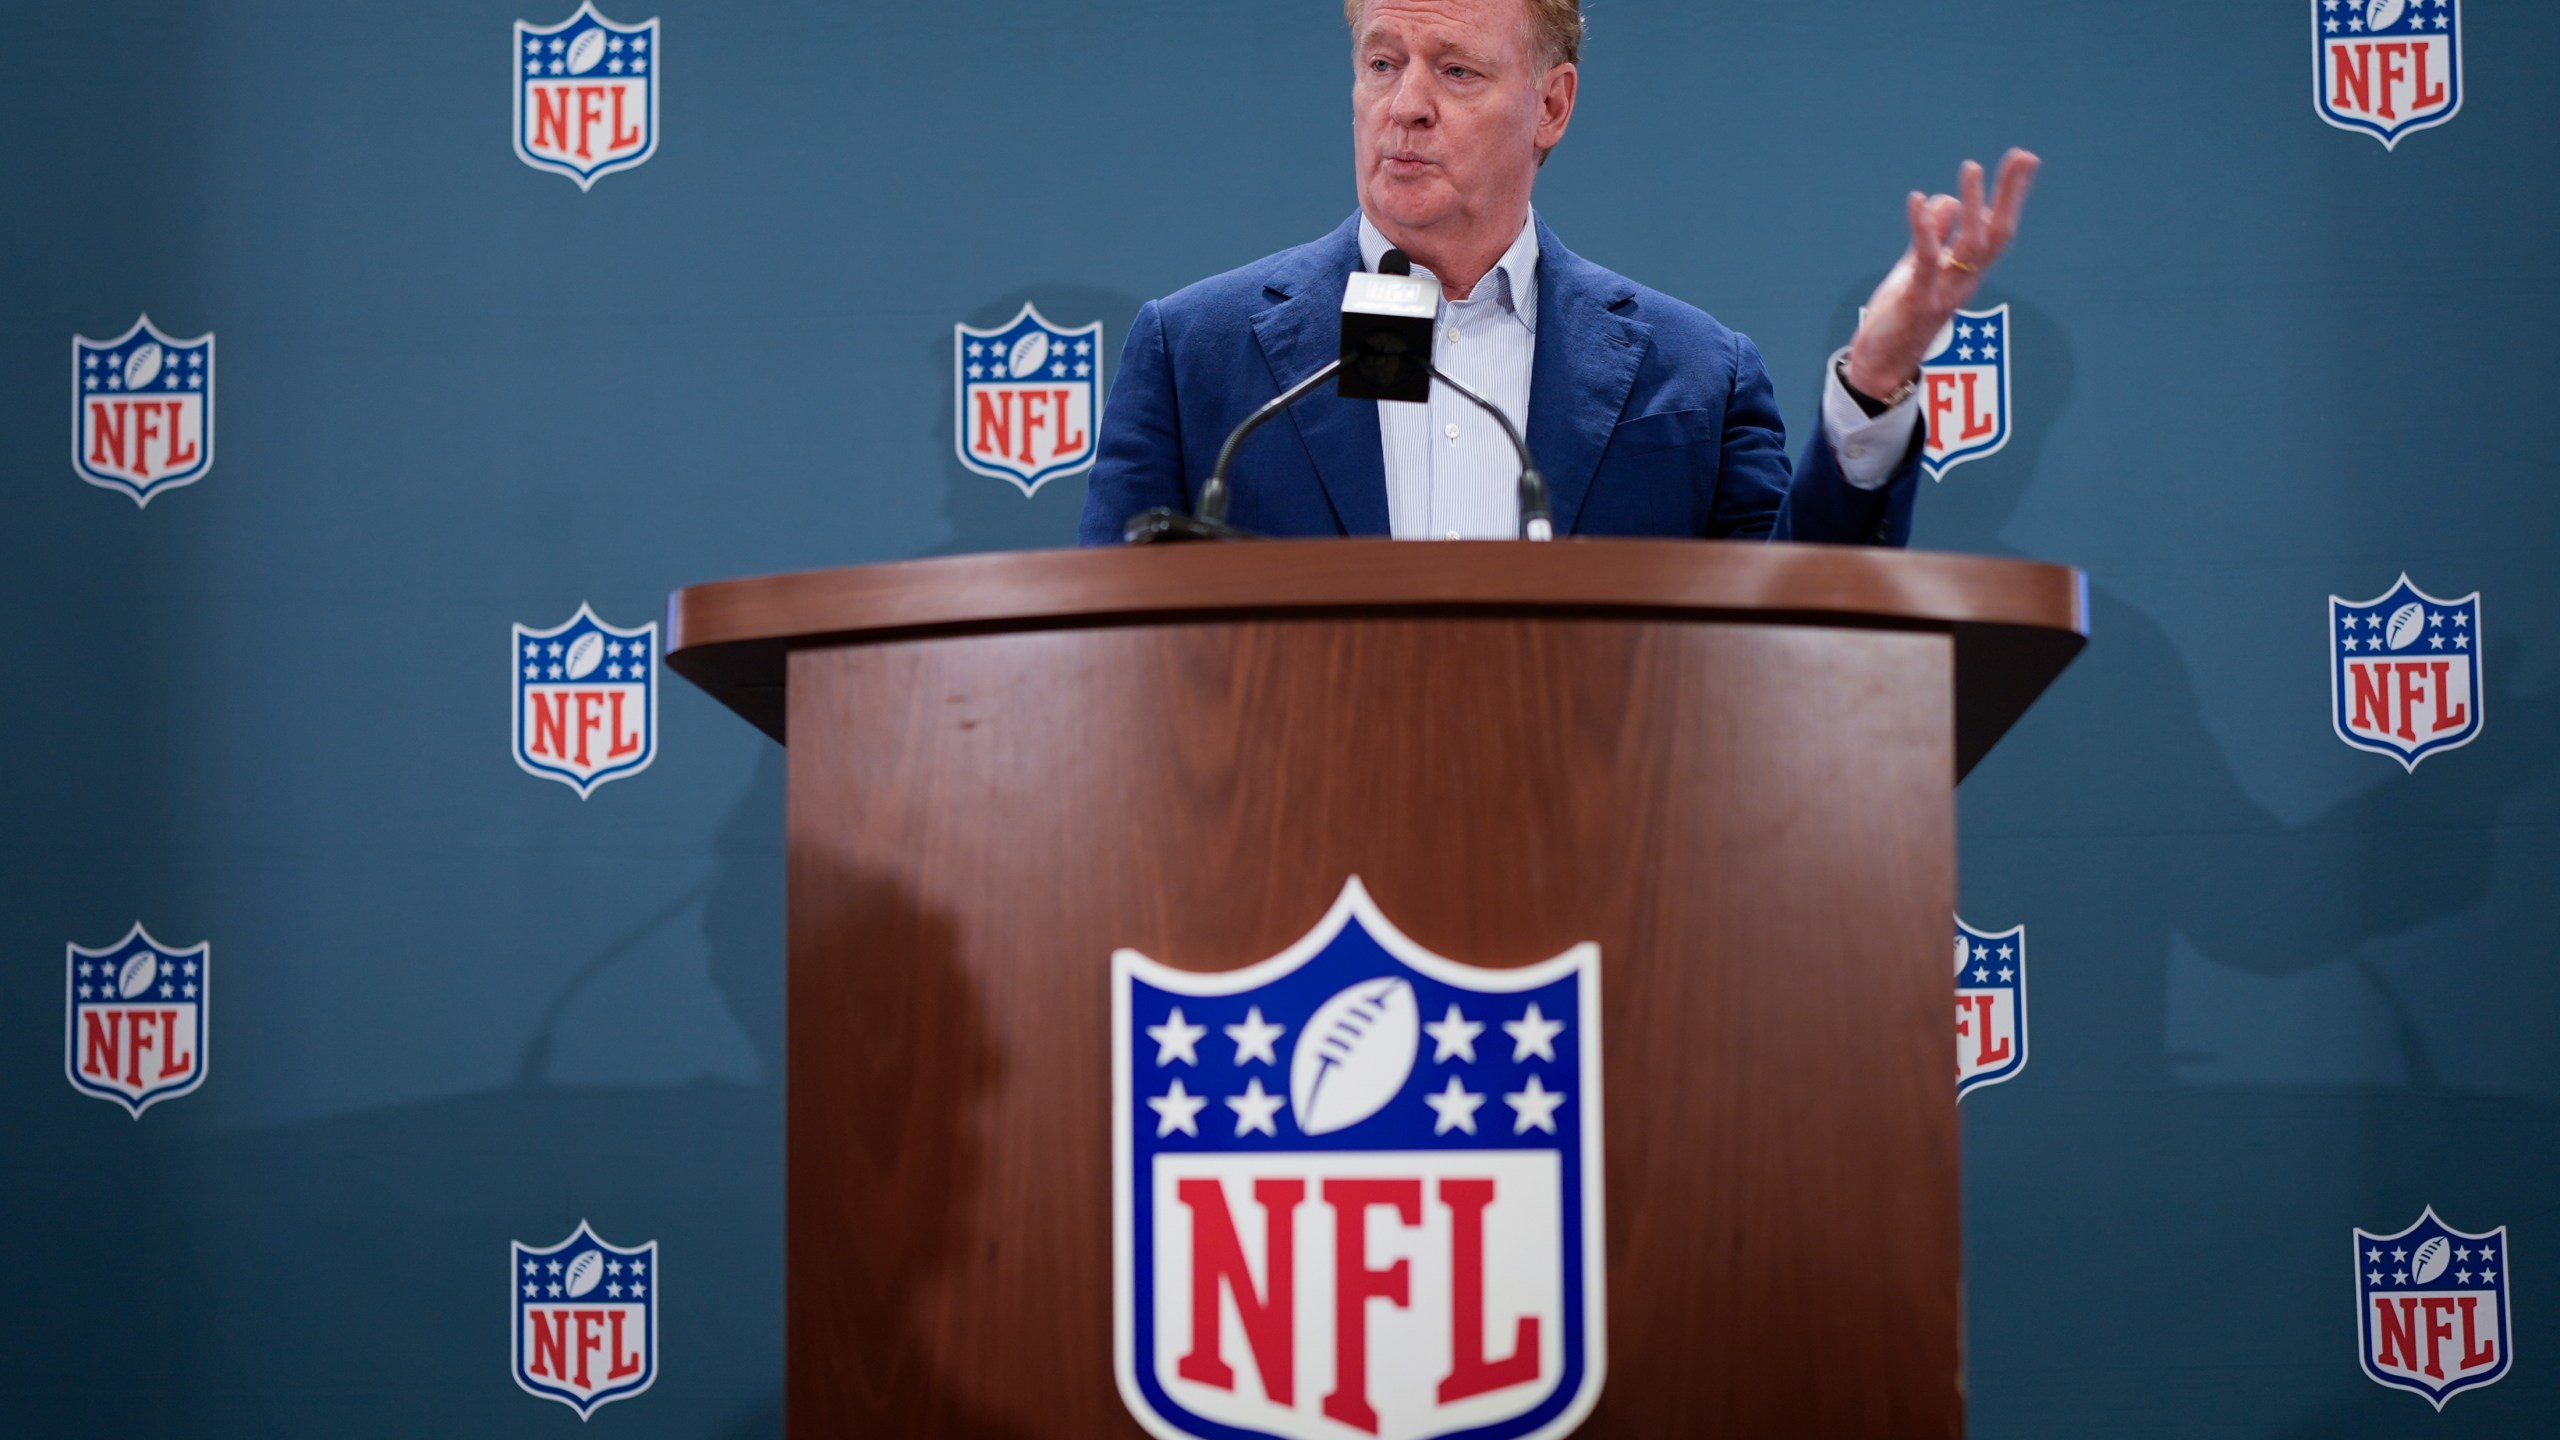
<point>1447,24</point>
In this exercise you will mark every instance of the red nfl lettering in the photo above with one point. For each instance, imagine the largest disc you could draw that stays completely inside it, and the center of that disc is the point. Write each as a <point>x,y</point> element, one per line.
<point>2387,67</point>
<point>2432,1307</point>
<point>1330,1227</point>
<point>1029,394</point>
<point>135,1015</point>
<point>586,94</point>
<point>142,410</point>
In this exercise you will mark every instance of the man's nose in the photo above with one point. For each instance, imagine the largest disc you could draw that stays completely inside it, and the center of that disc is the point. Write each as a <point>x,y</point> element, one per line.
<point>1413,104</point>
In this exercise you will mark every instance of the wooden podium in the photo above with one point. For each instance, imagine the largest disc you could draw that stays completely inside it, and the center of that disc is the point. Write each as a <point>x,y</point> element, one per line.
<point>1732,766</point>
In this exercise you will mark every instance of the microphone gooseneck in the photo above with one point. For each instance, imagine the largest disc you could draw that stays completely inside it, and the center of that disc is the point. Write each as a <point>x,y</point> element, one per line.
<point>1212,509</point>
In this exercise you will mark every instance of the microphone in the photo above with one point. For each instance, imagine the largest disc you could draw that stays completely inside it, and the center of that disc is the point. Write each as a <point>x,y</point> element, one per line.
<point>1387,320</point>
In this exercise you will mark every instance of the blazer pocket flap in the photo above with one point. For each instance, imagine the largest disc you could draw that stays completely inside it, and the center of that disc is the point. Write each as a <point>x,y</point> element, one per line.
<point>1671,430</point>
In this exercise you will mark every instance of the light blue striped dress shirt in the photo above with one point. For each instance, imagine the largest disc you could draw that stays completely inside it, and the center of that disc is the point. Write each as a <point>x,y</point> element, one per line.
<point>1452,475</point>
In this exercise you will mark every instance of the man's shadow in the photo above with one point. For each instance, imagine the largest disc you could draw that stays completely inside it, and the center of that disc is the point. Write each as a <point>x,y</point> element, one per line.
<point>2111,823</point>
<point>399,1328</point>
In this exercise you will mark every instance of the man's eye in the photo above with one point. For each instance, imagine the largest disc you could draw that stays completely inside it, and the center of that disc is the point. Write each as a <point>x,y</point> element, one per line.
<point>1459,72</point>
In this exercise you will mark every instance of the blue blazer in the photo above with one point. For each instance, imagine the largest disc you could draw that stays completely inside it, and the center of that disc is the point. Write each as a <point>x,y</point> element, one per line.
<point>1647,416</point>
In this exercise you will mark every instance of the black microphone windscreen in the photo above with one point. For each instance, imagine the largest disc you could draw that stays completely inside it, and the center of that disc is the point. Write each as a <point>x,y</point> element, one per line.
<point>1395,262</point>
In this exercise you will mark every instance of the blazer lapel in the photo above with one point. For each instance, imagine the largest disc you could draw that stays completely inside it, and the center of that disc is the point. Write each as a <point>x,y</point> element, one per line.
<point>1299,335</point>
<point>1587,358</point>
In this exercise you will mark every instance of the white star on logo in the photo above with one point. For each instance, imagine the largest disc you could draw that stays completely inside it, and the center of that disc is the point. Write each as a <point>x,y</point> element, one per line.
<point>1176,1037</point>
<point>1177,1109</point>
<point>1254,1109</point>
<point>1454,1034</point>
<point>1533,1034</point>
<point>1455,1107</point>
<point>1253,1039</point>
<point>1536,1106</point>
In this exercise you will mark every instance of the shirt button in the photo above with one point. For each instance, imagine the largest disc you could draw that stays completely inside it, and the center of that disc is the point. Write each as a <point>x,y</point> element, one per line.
<point>1857,452</point>
<point>1451,432</point>
<point>1453,534</point>
<point>1454,337</point>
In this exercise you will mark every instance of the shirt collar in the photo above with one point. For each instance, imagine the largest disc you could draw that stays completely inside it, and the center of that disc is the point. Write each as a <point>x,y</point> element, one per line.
<point>1514,276</point>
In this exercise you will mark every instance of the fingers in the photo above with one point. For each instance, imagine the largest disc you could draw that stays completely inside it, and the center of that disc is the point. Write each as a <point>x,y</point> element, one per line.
<point>2017,178</point>
<point>1924,234</point>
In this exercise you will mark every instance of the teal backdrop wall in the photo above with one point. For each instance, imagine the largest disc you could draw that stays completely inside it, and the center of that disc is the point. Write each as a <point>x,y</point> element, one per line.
<point>2282,988</point>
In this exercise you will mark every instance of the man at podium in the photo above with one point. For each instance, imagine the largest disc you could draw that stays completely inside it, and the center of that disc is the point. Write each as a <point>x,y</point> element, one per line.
<point>1646,415</point>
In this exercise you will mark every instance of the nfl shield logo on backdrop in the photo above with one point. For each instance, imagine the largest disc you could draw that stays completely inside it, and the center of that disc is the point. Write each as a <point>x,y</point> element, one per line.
<point>586,95</point>
<point>586,1319</point>
<point>1964,390</point>
<point>1991,1006</point>
<point>2431,1304</point>
<point>586,700</point>
<point>2404,672</point>
<point>1357,1191</point>
<point>2387,67</point>
<point>142,410</point>
<point>136,1020</point>
<point>1029,394</point>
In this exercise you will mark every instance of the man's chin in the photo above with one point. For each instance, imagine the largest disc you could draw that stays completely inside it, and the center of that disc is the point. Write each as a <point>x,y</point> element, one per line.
<point>1409,205</point>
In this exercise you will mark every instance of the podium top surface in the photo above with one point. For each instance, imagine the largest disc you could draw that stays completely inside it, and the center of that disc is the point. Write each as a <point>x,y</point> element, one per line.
<point>2016,623</point>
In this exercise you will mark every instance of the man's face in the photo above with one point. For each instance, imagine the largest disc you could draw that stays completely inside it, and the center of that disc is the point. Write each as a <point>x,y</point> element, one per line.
<point>1451,104</point>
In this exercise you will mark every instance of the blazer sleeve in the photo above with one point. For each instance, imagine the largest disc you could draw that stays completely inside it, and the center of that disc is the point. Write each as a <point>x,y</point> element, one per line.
<point>1758,498</point>
<point>1138,456</point>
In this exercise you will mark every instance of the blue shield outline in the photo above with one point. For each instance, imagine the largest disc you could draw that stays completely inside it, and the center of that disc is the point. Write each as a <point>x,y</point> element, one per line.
<point>525,68</point>
<point>1355,939</point>
<point>1981,958</point>
<point>586,621</point>
<point>540,1276</point>
<point>2457,636</point>
<point>2374,1276</point>
<point>2328,13</point>
<point>1960,352</point>
<point>183,368</point>
<point>183,969</point>
<point>973,348</point>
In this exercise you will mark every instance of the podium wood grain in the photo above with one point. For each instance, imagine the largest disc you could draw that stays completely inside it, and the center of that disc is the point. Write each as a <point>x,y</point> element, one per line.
<point>1753,820</point>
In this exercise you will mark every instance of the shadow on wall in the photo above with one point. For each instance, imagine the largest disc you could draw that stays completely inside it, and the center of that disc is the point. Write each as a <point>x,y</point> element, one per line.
<point>2115,779</point>
<point>399,1328</point>
<point>987,513</point>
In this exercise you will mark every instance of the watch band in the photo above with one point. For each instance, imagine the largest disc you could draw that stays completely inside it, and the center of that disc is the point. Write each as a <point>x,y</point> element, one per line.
<point>1869,403</point>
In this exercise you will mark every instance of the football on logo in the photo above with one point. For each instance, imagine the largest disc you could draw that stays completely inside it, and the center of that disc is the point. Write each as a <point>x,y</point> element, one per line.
<point>1964,390</point>
<point>1991,1006</point>
<point>1324,1135</point>
<point>586,700</point>
<point>586,95</point>
<point>139,1018</point>
<point>1029,394</point>
<point>2405,672</point>
<point>2432,1308</point>
<point>585,1313</point>
<point>142,410</point>
<point>2387,67</point>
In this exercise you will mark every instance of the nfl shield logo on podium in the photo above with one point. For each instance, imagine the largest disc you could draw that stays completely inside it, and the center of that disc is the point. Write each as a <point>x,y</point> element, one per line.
<point>1029,394</point>
<point>2404,672</point>
<point>1357,1192</point>
<point>2431,1304</point>
<point>1991,1006</point>
<point>142,410</point>
<point>2387,67</point>
<point>136,1014</point>
<point>586,1319</point>
<point>586,95</point>
<point>1964,390</point>
<point>586,700</point>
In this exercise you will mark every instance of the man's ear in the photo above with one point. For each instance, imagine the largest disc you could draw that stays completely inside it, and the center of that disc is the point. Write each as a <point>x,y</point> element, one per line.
<point>1555,104</point>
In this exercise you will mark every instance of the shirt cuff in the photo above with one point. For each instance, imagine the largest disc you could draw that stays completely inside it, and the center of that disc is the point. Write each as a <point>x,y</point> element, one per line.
<point>1869,450</point>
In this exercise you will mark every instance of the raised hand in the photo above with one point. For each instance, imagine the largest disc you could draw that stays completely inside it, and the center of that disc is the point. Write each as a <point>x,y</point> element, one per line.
<point>1953,241</point>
